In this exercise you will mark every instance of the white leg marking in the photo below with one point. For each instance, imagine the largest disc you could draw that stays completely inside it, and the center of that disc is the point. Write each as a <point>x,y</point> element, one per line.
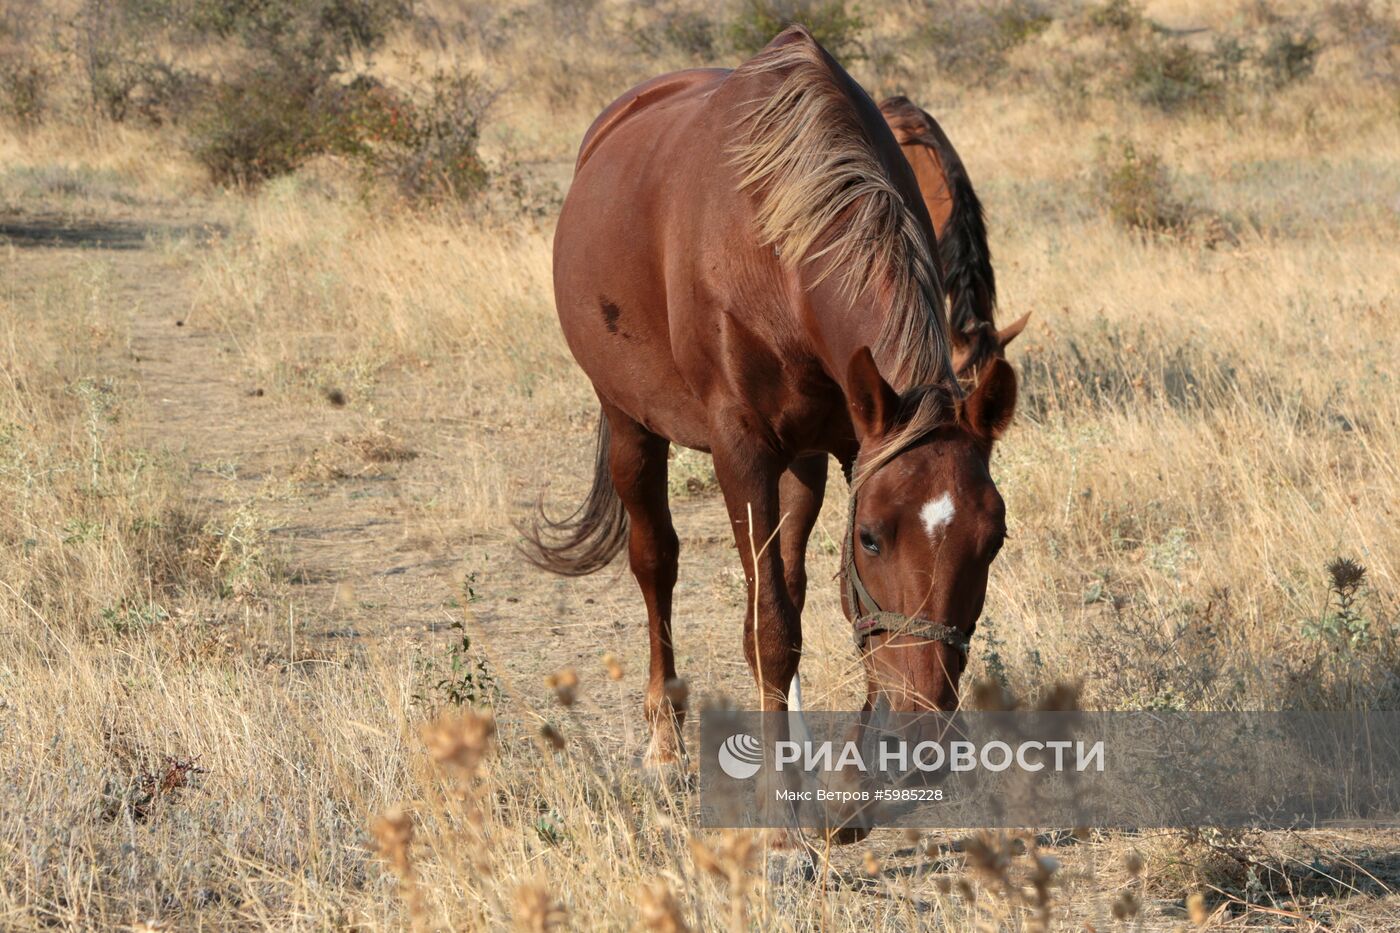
<point>937,514</point>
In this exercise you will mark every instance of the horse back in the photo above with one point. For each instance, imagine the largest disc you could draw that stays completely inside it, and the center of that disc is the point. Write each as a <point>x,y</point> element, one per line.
<point>915,131</point>
<point>644,95</point>
<point>645,250</point>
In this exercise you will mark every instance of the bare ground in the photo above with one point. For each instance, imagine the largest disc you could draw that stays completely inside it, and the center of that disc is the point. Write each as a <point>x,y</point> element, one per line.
<point>343,483</point>
<point>339,484</point>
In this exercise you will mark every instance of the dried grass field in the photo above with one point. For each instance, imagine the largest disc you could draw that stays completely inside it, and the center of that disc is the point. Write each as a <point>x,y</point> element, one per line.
<point>279,368</point>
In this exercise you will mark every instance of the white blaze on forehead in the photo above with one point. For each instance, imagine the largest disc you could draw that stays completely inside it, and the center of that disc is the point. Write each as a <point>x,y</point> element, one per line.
<point>936,514</point>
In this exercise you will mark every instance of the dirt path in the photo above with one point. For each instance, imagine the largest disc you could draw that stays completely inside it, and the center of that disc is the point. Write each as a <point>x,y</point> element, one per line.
<point>340,546</point>
<point>360,559</point>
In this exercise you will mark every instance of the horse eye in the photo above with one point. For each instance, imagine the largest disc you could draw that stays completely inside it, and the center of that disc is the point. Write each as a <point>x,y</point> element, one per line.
<point>867,541</point>
<point>995,549</point>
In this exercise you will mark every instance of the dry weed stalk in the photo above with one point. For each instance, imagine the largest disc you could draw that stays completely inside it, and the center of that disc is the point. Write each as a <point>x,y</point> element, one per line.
<point>613,666</point>
<point>564,683</point>
<point>459,742</point>
<point>657,909</point>
<point>552,737</point>
<point>730,861</point>
<point>992,858</point>
<point>393,835</point>
<point>1196,909</point>
<point>536,910</point>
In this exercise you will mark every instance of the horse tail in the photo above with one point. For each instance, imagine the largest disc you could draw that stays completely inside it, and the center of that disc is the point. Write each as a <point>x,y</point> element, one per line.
<point>962,249</point>
<point>592,536</point>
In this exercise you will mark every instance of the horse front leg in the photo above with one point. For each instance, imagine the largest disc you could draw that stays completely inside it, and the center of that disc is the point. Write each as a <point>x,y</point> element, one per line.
<point>800,493</point>
<point>749,476</point>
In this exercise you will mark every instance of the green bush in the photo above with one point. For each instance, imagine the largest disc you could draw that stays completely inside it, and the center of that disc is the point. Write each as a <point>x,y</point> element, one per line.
<point>829,22</point>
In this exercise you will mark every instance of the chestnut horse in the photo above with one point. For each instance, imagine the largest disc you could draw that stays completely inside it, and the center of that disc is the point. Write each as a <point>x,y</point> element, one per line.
<point>958,224</point>
<point>743,265</point>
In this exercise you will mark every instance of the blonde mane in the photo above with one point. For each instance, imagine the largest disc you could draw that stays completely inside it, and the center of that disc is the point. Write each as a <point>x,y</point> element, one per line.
<point>823,193</point>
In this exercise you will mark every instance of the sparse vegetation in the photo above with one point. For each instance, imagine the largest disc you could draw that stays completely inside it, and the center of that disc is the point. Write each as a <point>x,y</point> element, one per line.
<point>251,441</point>
<point>23,91</point>
<point>971,42</point>
<point>1289,57</point>
<point>1137,189</point>
<point>831,22</point>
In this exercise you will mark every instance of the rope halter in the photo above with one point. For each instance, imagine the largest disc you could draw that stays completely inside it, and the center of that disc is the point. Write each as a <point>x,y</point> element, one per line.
<point>870,618</point>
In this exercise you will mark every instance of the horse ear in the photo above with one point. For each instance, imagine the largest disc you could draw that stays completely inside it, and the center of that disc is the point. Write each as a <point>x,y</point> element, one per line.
<point>988,410</point>
<point>1012,330</point>
<point>871,399</point>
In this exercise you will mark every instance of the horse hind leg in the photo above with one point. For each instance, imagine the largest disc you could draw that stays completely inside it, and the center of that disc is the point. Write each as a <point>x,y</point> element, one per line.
<point>637,461</point>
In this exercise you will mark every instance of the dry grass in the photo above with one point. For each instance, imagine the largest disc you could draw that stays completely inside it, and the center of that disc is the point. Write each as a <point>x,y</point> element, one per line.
<point>1207,422</point>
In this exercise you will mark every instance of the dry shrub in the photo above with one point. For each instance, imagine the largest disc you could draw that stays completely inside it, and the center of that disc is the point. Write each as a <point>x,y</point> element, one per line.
<point>127,68</point>
<point>1370,30</point>
<point>430,150</point>
<point>1289,56</point>
<point>1136,188</point>
<point>297,92</point>
<point>24,89</point>
<point>266,122</point>
<point>831,23</point>
<point>971,42</point>
<point>378,447</point>
<point>673,27</point>
<point>274,118</point>
<point>1170,75</point>
<point>1116,50</point>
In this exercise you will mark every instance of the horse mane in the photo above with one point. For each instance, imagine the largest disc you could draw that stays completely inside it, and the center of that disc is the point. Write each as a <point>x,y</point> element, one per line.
<point>966,259</point>
<point>823,191</point>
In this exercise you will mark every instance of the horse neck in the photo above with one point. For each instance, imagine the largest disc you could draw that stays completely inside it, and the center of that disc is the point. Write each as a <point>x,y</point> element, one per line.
<point>845,321</point>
